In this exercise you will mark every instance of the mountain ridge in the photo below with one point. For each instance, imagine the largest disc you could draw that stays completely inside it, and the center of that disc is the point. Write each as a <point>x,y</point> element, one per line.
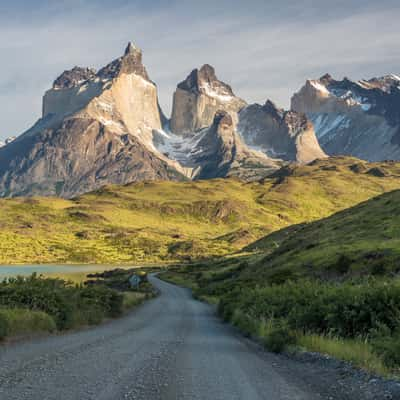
<point>358,118</point>
<point>106,126</point>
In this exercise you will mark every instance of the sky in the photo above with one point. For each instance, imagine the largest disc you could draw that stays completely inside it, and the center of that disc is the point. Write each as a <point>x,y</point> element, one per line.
<point>263,49</point>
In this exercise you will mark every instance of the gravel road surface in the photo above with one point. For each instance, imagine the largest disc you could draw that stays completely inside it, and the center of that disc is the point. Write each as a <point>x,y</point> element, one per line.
<point>172,347</point>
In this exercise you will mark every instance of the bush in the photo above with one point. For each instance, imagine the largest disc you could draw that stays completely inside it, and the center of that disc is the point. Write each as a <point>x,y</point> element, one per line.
<point>23,321</point>
<point>132,299</point>
<point>342,265</point>
<point>101,300</point>
<point>277,336</point>
<point>244,322</point>
<point>68,305</point>
<point>388,347</point>
<point>347,310</point>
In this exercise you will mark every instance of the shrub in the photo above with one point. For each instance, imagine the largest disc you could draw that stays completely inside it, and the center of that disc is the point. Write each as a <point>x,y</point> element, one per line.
<point>277,335</point>
<point>388,347</point>
<point>67,305</point>
<point>132,299</point>
<point>281,276</point>
<point>23,321</point>
<point>342,265</point>
<point>346,310</point>
<point>244,322</point>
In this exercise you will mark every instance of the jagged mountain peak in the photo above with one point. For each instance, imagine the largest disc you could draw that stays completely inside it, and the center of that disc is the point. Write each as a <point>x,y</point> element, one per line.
<point>294,121</point>
<point>327,83</point>
<point>130,62</point>
<point>385,83</point>
<point>205,81</point>
<point>271,108</point>
<point>96,129</point>
<point>326,78</point>
<point>74,77</point>
<point>221,152</point>
<point>278,133</point>
<point>132,49</point>
<point>198,97</point>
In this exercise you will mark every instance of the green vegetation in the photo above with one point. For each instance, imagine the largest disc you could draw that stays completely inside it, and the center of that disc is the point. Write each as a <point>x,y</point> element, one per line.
<point>68,305</point>
<point>42,305</point>
<point>21,322</point>
<point>164,222</point>
<point>362,240</point>
<point>358,352</point>
<point>133,299</point>
<point>347,310</point>
<point>355,320</point>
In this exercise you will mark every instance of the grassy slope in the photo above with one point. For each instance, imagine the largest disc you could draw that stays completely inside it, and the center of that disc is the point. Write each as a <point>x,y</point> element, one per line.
<point>364,239</point>
<point>168,221</point>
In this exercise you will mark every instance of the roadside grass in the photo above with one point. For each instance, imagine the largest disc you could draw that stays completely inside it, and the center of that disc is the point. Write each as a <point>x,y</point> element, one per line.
<point>359,353</point>
<point>23,322</point>
<point>214,300</point>
<point>133,299</point>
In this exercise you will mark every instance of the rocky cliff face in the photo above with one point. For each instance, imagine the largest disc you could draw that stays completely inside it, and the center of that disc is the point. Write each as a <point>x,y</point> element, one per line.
<point>198,98</point>
<point>97,128</point>
<point>106,127</point>
<point>218,151</point>
<point>286,135</point>
<point>354,118</point>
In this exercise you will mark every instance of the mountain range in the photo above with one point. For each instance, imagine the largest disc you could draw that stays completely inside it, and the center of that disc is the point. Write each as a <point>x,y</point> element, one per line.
<point>107,127</point>
<point>360,118</point>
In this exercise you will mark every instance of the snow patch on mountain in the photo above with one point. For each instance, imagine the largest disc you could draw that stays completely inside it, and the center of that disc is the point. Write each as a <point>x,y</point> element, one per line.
<point>328,124</point>
<point>7,141</point>
<point>220,95</point>
<point>177,147</point>
<point>317,85</point>
<point>358,118</point>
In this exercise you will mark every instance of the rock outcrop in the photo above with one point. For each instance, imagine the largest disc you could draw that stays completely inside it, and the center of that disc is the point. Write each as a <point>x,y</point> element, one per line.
<point>286,135</point>
<point>96,129</point>
<point>220,152</point>
<point>360,118</point>
<point>198,98</point>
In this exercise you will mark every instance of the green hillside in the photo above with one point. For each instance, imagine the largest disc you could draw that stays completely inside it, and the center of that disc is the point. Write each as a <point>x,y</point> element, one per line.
<point>362,240</point>
<point>170,221</point>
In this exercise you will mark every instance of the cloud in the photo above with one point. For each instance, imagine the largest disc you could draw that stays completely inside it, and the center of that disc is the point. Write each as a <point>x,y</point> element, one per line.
<point>263,49</point>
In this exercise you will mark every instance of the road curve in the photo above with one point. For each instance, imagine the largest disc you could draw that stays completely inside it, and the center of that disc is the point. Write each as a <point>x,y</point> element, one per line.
<point>172,347</point>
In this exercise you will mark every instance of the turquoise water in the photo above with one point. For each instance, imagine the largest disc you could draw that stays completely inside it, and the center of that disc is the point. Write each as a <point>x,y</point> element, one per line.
<point>24,270</point>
